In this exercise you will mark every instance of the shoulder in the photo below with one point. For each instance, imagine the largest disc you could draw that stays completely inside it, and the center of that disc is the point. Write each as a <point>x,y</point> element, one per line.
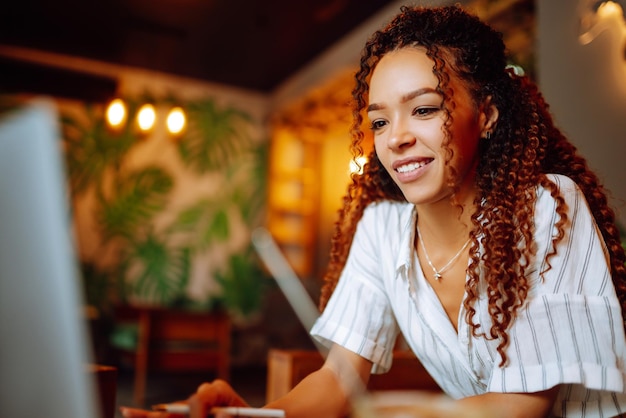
<point>567,191</point>
<point>566,187</point>
<point>572,253</point>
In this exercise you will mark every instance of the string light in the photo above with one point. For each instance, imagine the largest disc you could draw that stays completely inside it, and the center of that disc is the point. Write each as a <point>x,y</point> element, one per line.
<point>116,114</point>
<point>146,118</point>
<point>176,121</point>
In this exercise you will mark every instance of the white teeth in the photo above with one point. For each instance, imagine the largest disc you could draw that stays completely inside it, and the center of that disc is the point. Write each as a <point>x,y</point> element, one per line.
<point>410,167</point>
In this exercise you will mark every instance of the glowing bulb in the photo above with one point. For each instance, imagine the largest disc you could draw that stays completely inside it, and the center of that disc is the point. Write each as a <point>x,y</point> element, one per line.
<point>176,121</point>
<point>116,113</point>
<point>608,15</point>
<point>146,117</point>
<point>356,166</point>
<point>608,9</point>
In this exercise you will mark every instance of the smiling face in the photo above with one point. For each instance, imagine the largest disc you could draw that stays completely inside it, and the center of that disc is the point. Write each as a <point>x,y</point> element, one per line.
<point>407,118</point>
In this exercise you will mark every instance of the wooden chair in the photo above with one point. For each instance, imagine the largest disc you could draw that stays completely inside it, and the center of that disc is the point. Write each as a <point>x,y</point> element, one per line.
<point>175,340</point>
<point>286,368</point>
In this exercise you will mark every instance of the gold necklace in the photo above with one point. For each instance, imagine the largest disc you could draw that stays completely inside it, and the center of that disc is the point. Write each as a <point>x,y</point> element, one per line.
<point>438,274</point>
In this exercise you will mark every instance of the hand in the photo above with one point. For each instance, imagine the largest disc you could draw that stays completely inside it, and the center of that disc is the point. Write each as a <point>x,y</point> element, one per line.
<point>208,395</point>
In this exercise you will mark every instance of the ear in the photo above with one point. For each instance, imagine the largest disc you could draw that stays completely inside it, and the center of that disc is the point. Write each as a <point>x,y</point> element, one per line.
<point>488,117</point>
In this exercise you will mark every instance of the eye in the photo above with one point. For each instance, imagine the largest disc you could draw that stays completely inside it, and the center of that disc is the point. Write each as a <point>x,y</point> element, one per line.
<point>425,110</point>
<point>378,124</point>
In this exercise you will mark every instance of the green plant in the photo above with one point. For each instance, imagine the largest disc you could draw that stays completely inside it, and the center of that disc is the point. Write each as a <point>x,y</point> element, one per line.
<point>161,271</point>
<point>214,137</point>
<point>153,264</point>
<point>243,283</point>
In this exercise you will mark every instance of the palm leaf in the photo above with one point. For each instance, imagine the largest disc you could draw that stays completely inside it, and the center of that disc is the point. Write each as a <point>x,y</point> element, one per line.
<point>138,197</point>
<point>160,273</point>
<point>205,222</point>
<point>91,148</point>
<point>214,136</point>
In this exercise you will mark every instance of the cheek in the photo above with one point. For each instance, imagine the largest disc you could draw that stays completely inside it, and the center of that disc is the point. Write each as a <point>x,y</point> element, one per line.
<point>382,152</point>
<point>378,147</point>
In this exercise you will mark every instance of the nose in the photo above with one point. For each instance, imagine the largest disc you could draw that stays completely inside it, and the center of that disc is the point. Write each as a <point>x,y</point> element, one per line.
<point>401,137</point>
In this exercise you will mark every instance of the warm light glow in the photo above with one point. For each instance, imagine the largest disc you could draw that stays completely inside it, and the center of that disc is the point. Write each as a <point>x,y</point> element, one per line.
<point>176,121</point>
<point>116,113</point>
<point>609,14</point>
<point>609,8</point>
<point>357,166</point>
<point>146,117</point>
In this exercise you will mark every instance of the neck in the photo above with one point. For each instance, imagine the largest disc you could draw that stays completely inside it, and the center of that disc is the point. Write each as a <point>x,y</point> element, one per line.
<point>444,223</point>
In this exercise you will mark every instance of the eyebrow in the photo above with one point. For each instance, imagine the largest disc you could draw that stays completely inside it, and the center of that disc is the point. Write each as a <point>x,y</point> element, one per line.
<point>405,98</point>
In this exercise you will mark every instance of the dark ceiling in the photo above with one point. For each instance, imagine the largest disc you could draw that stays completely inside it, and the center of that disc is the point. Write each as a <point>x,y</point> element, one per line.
<point>249,44</point>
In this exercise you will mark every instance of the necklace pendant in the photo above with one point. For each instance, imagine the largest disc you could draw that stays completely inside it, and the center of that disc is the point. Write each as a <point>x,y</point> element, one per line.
<point>437,276</point>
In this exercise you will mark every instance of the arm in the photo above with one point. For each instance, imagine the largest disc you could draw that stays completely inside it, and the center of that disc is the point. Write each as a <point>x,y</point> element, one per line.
<point>323,393</point>
<point>514,405</point>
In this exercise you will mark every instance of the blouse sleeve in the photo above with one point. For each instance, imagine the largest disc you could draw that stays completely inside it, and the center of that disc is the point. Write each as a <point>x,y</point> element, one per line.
<point>358,315</point>
<point>571,330</point>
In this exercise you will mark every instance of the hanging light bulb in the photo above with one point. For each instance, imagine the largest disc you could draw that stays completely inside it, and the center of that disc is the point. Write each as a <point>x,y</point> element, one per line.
<point>176,121</point>
<point>146,118</point>
<point>116,114</point>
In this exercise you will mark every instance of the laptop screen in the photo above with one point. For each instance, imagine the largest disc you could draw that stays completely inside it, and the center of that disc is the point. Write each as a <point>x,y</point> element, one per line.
<point>43,346</point>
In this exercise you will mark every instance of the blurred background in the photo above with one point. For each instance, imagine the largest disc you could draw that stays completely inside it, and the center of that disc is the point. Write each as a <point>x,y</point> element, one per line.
<point>187,124</point>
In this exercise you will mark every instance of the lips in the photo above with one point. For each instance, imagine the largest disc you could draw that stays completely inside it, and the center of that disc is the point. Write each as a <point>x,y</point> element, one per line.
<point>410,169</point>
<point>406,166</point>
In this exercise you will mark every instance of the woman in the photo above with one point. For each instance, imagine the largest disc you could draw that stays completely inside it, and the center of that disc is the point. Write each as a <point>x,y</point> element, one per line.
<point>476,231</point>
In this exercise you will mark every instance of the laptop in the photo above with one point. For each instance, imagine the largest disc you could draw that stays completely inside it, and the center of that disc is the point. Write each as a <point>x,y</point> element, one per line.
<point>44,345</point>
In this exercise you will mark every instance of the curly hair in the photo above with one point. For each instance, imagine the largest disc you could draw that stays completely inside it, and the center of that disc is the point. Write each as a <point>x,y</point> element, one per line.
<point>525,146</point>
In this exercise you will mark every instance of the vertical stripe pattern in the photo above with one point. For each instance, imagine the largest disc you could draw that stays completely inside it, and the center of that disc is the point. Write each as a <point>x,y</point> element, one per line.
<point>570,331</point>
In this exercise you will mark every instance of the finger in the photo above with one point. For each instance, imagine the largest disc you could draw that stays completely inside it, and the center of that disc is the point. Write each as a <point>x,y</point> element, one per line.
<point>200,402</point>
<point>216,393</point>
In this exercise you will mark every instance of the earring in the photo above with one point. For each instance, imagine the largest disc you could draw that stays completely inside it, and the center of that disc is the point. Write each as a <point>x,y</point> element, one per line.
<point>488,135</point>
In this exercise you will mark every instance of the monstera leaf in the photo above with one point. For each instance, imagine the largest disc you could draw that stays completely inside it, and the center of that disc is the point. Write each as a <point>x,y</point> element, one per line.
<point>206,222</point>
<point>214,136</point>
<point>91,148</point>
<point>153,263</point>
<point>158,273</point>
<point>138,196</point>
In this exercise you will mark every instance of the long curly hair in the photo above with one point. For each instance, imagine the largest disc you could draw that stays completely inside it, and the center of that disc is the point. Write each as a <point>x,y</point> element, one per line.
<point>524,147</point>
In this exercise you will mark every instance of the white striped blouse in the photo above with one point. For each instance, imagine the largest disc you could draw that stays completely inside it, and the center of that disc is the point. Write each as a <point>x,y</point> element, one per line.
<point>570,332</point>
